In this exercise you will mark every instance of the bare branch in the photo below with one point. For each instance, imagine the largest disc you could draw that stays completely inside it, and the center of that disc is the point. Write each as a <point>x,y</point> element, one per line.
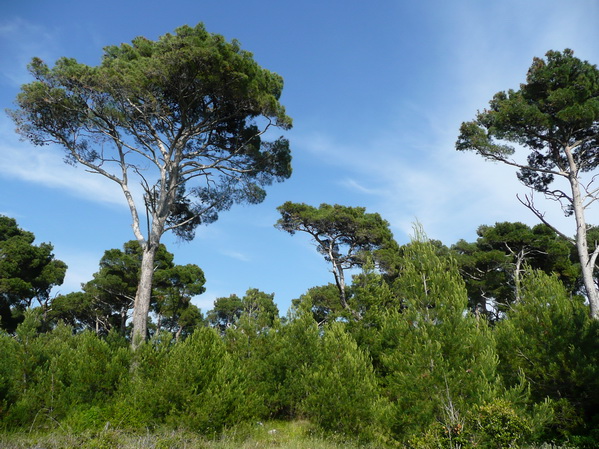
<point>529,203</point>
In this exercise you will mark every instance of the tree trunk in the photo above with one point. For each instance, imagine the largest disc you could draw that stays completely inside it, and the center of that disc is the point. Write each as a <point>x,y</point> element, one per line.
<point>587,263</point>
<point>143,296</point>
<point>178,334</point>
<point>340,281</point>
<point>520,257</point>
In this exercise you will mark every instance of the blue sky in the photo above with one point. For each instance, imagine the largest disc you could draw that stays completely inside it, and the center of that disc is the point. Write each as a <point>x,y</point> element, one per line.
<point>377,93</point>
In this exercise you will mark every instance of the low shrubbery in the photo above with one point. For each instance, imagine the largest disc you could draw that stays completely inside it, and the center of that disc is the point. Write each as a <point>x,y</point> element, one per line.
<point>422,373</point>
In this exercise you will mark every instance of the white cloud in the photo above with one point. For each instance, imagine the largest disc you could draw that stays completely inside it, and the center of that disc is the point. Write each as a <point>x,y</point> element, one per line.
<point>352,184</point>
<point>236,255</point>
<point>415,170</point>
<point>46,166</point>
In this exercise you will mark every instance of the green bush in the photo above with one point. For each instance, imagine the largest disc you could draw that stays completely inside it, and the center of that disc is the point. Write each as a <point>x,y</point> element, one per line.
<point>342,393</point>
<point>193,384</point>
<point>499,426</point>
<point>550,338</point>
<point>56,374</point>
<point>9,375</point>
<point>438,360</point>
<point>278,364</point>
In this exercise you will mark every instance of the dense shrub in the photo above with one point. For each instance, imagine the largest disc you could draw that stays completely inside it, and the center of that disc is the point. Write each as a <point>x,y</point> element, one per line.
<point>342,394</point>
<point>499,426</point>
<point>57,374</point>
<point>550,338</point>
<point>439,361</point>
<point>441,379</point>
<point>192,384</point>
<point>277,361</point>
<point>8,372</point>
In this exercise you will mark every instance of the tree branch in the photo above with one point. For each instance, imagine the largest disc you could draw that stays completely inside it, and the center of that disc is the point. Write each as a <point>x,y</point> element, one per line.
<point>529,203</point>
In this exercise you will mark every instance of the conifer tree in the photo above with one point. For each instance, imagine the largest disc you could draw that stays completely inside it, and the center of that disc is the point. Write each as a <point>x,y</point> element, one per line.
<point>550,338</point>
<point>184,115</point>
<point>342,391</point>
<point>554,117</point>
<point>438,360</point>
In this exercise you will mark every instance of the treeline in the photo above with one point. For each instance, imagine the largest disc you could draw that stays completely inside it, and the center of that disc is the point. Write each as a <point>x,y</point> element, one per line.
<point>483,344</point>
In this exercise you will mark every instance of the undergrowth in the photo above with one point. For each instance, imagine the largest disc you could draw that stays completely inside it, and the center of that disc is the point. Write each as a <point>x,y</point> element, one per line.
<point>272,434</point>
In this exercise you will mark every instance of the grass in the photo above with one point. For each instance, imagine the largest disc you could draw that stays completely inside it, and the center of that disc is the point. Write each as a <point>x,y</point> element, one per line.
<point>282,435</point>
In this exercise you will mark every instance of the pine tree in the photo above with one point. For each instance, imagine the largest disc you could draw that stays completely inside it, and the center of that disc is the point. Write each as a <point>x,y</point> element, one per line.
<point>550,337</point>
<point>342,391</point>
<point>438,360</point>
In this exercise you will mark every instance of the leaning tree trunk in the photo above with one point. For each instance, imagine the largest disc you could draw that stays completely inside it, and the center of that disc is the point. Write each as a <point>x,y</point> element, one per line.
<point>340,281</point>
<point>141,307</point>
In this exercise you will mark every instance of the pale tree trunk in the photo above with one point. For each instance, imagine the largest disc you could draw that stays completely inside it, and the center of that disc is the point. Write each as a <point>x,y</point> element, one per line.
<point>338,273</point>
<point>340,281</point>
<point>178,334</point>
<point>520,257</point>
<point>577,201</point>
<point>143,296</point>
<point>587,261</point>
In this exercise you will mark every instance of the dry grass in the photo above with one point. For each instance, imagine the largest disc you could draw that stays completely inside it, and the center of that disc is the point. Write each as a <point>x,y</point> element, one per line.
<point>280,435</point>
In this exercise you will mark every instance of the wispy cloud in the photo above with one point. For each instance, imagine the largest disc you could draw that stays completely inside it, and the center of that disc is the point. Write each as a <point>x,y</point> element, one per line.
<point>45,166</point>
<point>236,255</point>
<point>412,165</point>
<point>352,184</point>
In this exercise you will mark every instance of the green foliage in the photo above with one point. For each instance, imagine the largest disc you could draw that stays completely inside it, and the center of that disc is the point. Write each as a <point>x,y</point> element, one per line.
<point>27,273</point>
<point>185,115</point>
<point>417,368</point>
<point>493,266</point>
<point>500,426</point>
<point>346,236</point>
<point>193,384</point>
<point>107,299</point>
<point>256,306</point>
<point>550,337</point>
<point>57,374</point>
<point>81,311</point>
<point>175,287</point>
<point>558,105</point>
<point>334,227</point>
<point>373,297</point>
<point>554,117</point>
<point>9,374</point>
<point>325,303</point>
<point>290,353</point>
<point>342,394</point>
<point>438,361</point>
<point>226,312</point>
<point>191,91</point>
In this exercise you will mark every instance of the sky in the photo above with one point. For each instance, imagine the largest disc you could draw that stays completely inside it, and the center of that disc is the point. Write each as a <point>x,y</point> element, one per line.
<point>377,93</point>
